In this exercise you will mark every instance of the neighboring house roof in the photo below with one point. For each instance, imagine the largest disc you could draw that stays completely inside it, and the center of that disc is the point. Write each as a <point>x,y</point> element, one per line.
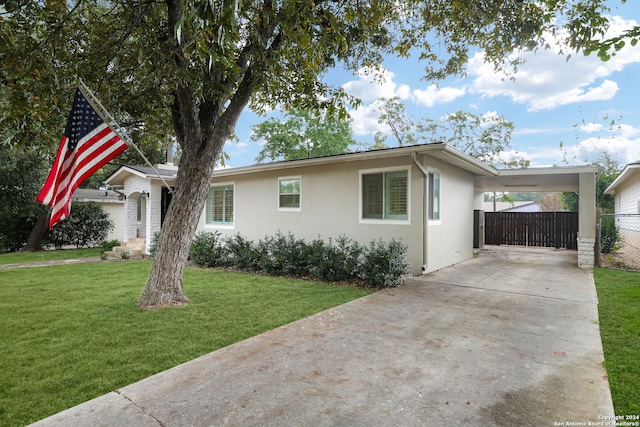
<point>524,207</point>
<point>440,151</point>
<point>629,171</point>
<point>93,195</point>
<point>512,207</point>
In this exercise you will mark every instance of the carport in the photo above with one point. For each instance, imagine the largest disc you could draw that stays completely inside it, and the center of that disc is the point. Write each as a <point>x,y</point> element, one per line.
<point>580,179</point>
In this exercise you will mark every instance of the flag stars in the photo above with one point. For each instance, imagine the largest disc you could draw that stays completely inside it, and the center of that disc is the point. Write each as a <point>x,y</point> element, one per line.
<point>83,120</point>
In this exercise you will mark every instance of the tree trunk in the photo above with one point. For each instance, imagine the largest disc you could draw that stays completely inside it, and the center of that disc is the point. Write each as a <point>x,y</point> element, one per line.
<point>34,244</point>
<point>164,287</point>
<point>201,147</point>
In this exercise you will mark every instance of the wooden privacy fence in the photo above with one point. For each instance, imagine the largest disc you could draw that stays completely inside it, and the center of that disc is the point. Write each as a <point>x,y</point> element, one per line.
<point>549,229</point>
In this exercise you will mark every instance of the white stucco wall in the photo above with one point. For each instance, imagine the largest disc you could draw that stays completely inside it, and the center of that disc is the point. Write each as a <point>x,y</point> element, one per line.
<point>330,207</point>
<point>116,214</point>
<point>450,240</point>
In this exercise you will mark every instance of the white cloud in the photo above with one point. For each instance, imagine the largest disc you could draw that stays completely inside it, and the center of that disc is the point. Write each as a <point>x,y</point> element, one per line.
<point>591,127</point>
<point>623,145</point>
<point>547,80</point>
<point>433,95</point>
<point>374,84</point>
<point>365,119</point>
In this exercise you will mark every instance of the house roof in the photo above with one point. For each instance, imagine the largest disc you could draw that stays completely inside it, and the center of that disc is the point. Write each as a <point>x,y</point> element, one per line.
<point>94,195</point>
<point>628,171</point>
<point>117,178</point>
<point>440,151</point>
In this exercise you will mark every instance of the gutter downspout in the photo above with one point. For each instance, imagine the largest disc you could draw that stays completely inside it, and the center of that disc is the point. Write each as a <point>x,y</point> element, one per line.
<point>425,224</point>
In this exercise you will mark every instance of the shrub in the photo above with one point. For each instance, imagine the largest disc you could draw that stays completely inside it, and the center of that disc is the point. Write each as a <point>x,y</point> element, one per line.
<point>385,263</point>
<point>608,234</point>
<point>108,245</point>
<point>153,246</point>
<point>380,265</point>
<point>206,250</point>
<point>87,226</point>
<point>335,262</point>
<point>241,253</point>
<point>283,255</point>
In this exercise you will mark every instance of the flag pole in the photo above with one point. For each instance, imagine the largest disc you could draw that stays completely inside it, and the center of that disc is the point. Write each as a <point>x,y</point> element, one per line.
<point>104,114</point>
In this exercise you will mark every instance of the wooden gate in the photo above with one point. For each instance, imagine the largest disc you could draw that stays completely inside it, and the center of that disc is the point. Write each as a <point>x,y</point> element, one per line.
<point>549,229</point>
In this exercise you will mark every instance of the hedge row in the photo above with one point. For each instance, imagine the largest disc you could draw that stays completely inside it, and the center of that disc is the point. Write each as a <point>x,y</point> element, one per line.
<point>381,264</point>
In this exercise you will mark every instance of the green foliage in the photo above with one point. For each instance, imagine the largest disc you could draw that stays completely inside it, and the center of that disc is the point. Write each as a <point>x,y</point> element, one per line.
<point>609,47</point>
<point>108,245</point>
<point>337,261</point>
<point>610,169</point>
<point>380,265</point>
<point>21,175</point>
<point>87,226</point>
<point>153,246</point>
<point>303,134</point>
<point>205,250</point>
<point>241,253</point>
<point>283,255</point>
<point>484,137</point>
<point>385,263</point>
<point>209,47</point>
<point>608,234</point>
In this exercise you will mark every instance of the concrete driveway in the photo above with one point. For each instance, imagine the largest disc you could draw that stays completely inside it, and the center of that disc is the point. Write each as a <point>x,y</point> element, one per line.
<point>509,338</point>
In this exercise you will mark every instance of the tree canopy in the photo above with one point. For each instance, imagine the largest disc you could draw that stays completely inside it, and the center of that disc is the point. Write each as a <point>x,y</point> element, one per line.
<point>188,68</point>
<point>485,137</point>
<point>303,134</point>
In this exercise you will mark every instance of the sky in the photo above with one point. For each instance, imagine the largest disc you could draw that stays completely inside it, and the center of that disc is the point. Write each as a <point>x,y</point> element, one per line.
<point>586,105</point>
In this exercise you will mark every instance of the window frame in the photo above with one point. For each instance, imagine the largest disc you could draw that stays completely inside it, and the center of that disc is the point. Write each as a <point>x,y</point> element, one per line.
<point>223,224</point>
<point>279,200</point>
<point>431,196</point>
<point>384,172</point>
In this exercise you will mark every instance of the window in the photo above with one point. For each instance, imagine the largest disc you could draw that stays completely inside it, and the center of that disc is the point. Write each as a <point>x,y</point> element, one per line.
<point>434,195</point>
<point>385,195</point>
<point>289,193</point>
<point>219,209</point>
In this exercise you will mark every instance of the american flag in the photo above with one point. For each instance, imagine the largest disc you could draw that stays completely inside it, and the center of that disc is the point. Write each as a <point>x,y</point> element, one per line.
<point>87,145</point>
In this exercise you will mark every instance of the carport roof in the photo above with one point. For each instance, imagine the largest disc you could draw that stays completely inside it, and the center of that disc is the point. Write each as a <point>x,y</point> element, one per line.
<point>549,179</point>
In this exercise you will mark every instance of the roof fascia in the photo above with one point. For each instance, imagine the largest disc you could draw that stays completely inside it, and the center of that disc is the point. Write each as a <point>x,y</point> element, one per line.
<point>446,152</point>
<point>122,170</point>
<point>624,175</point>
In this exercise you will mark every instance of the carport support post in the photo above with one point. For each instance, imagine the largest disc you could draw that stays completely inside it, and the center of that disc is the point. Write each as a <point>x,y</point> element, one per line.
<point>587,219</point>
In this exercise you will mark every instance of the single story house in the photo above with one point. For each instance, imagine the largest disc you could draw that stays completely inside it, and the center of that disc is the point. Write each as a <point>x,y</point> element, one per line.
<point>626,190</point>
<point>424,195</point>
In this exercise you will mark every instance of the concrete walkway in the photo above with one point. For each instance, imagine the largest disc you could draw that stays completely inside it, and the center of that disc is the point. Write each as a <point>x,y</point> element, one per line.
<point>509,338</point>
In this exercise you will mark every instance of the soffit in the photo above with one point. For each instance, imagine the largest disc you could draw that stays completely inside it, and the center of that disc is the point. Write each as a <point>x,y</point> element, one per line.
<point>555,179</point>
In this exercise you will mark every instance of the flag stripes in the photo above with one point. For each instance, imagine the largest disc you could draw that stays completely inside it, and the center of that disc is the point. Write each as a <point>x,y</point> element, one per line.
<point>82,152</point>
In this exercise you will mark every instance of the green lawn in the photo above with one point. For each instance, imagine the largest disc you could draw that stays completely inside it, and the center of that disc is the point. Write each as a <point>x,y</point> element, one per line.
<point>70,333</point>
<point>22,257</point>
<point>619,312</point>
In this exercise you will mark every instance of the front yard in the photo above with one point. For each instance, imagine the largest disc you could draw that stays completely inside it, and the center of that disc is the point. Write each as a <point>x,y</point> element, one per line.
<point>73,332</point>
<point>619,312</point>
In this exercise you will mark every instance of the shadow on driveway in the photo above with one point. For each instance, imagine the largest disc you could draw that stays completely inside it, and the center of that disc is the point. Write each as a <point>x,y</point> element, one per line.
<point>508,338</point>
